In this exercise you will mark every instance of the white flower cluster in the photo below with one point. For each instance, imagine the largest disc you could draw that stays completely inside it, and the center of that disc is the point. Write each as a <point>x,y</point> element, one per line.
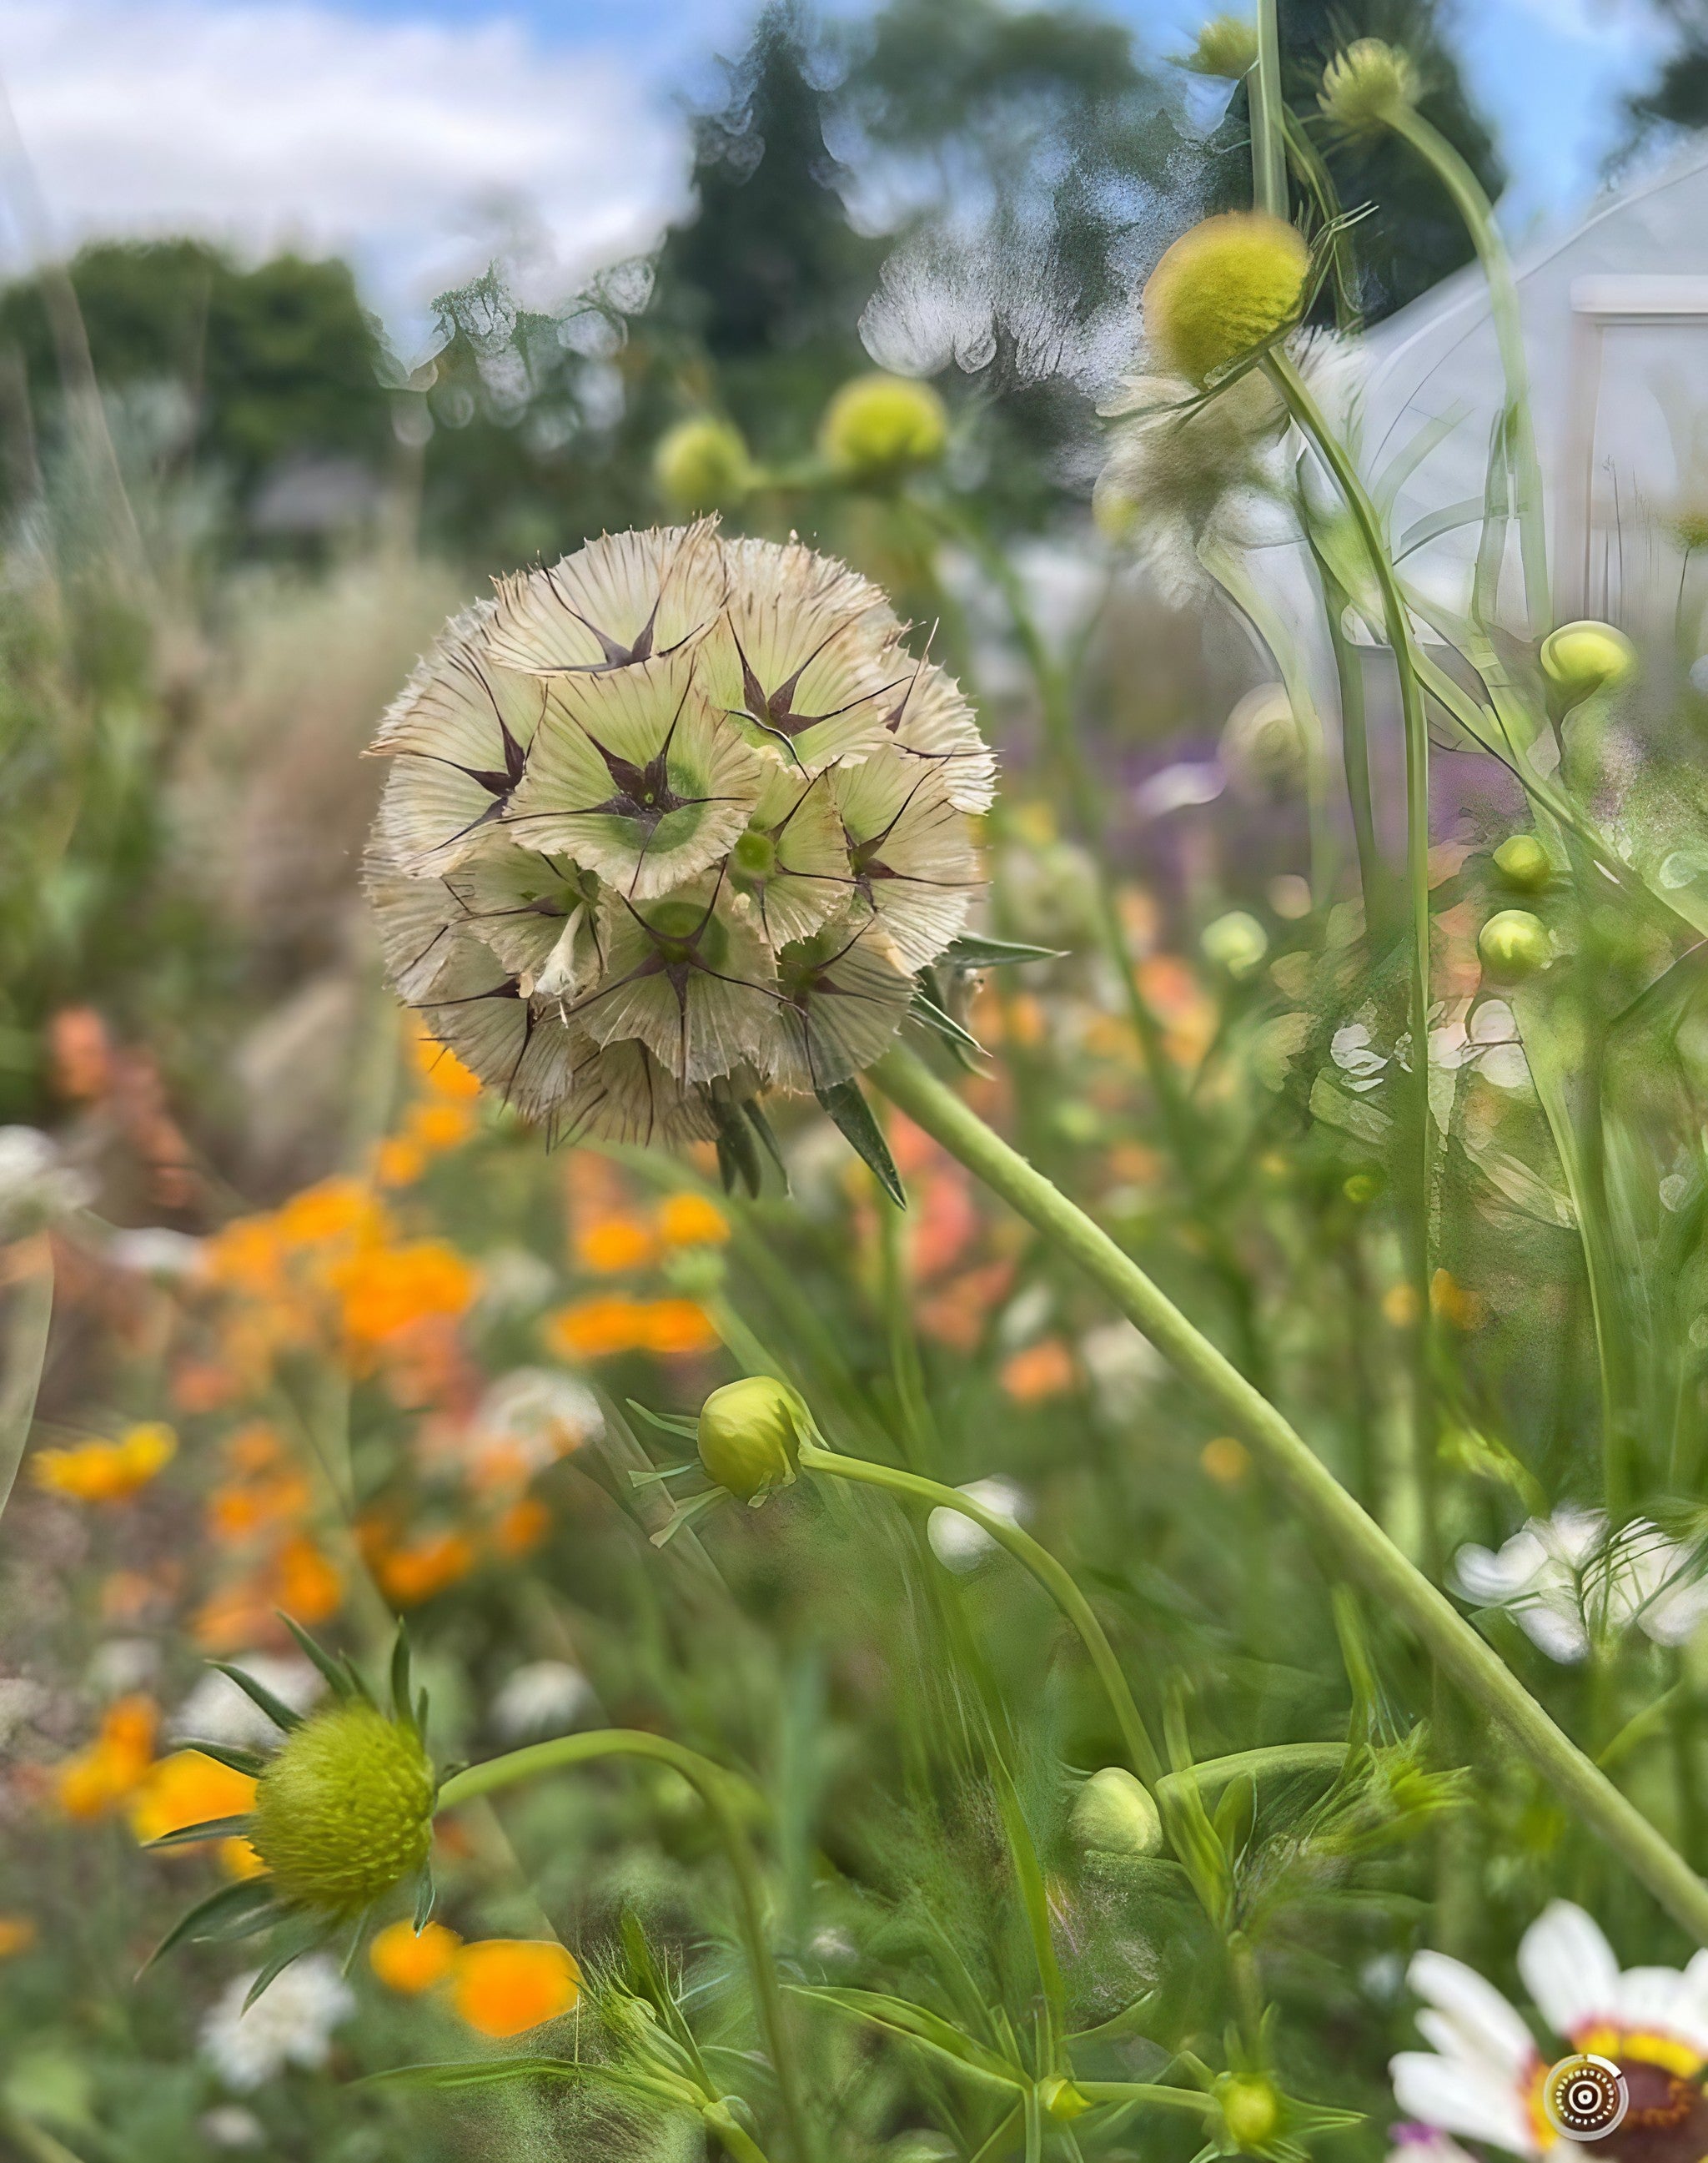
<point>670,822</point>
<point>1571,1582</point>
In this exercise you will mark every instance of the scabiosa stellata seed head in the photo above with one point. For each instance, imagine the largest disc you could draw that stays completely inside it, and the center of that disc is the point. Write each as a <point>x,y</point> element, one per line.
<point>1514,944</point>
<point>344,1810</point>
<point>658,816</point>
<point>749,1437</point>
<point>1581,659</point>
<point>877,427</point>
<point>702,464</point>
<point>1368,87</point>
<point>1226,49</point>
<point>1225,287</point>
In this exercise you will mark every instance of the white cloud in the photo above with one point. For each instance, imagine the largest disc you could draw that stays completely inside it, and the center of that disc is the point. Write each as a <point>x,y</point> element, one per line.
<point>411,146</point>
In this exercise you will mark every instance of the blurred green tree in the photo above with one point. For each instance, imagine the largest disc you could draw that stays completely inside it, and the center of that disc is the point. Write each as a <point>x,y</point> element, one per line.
<point>1677,100</point>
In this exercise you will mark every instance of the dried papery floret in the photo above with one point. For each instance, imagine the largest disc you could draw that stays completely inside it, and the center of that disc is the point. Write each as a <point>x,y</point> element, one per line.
<point>932,722</point>
<point>914,865</point>
<point>845,994</point>
<point>691,976</point>
<point>622,1093</point>
<point>624,598</point>
<point>538,913</point>
<point>792,857</point>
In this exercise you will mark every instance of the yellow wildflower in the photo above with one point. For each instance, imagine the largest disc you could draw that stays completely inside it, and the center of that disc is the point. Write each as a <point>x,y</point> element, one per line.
<point>107,1471</point>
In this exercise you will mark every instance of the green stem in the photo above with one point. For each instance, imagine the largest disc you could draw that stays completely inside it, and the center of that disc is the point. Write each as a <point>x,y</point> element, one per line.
<point>1278,1759</point>
<point>1146,2091</point>
<point>1353,1538</point>
<point>1355,758</point>
<point>720,1791</point>
<point>1268,116</point>
<point>1054,1578</point>
<point>1473,207</point>
<point>739,2144</point>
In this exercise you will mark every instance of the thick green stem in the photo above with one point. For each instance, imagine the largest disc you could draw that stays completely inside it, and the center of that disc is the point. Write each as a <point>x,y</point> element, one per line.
<point>721,1793</point>
<point>1355,758</point>
<point>1473,207</point>
<point>1027,1551</point>
<point>1268,115</point>
<point>1352,1539</point>
<point>738,2143</point>
<point>1201,2105</point>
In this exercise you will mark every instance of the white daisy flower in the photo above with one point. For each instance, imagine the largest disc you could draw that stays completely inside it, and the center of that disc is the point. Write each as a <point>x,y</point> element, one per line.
<point>546,1697</point>
<point>1483,2078</point>
<point>956,1541</point>
<point>1568,1586</point>
<point>290,2023</point>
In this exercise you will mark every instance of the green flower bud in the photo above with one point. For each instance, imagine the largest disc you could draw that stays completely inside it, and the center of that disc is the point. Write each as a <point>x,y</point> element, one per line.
<point>878,427</point>
<point>344,1810</point>
<point>1514,944</point>
<point>750,1437</point>
<point>1236,942</point>
<point>1226,49</point>
<point>1579,659</point>
<point>1523,862</point>
<point>1113,1815</point>
<point>1225,287</point>
<point>1250,2108</point>
<point>702,464</point>
<point>1062,2099</point>
<point>1368,87</point>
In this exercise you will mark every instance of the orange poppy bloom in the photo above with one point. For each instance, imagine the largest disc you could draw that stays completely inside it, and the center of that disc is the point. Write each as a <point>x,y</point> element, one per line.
<point>309,1586</point>
<point>107,1770</point>
<point>385,1289</point>
<point>409,1961</point>
<point>398,1161</point>
<point>441,1070</point>
<point>423,1567</point>
<point>1042,1371</point>
<point>185,1789</point>
<point>690,1220</point>
<point>596,1328</point>
<point>503,1986</point>
<point>441,1126</point>
<point>676,1328</point>
<point>520,1529</point>
<point>107,1471</point>
<point>614,1244</point>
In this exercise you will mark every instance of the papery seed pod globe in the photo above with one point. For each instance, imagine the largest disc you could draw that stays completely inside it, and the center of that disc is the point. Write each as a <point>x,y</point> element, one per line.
<point>670,823</point>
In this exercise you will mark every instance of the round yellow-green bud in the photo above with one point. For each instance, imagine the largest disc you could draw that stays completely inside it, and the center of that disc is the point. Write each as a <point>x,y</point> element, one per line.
<point>702,464</point>
<point>1514,944</point>
<point>1226,49</point>
<point>1062,2099</point>
<point>1250,2108</point>
<point>1113,1815</point>
<point>1225,287</point>
<point>1368,87</point>
<point>878,427</point>
<point>1581,659</point>
<point>1235,943</point>
<point>1523,862</point>
<point>344,1810</point>
<point>750,1437</point>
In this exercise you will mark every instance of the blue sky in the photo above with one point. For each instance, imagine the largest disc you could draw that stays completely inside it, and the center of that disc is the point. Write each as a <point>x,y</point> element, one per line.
<point>420,137</point>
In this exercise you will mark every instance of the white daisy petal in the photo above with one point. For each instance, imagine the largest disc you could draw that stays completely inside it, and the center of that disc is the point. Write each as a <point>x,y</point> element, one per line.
<point>1568,1968</point>
<point>1462,2099</point>
<point>1488,2026</point>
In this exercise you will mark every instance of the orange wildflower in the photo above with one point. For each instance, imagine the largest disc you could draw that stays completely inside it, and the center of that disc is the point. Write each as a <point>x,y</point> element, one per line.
<point>342,1210</point>
<point>690,1220</point>
<point>309,1586</point>
<point>106,1771</point>
<point>202,1385</point>
<point>1042,1371</point>
<point>423,1567</point>
<point>614,1244</point>
<point>409,1961</point>
<point>442,1070</point>
<point>596,1328</point>
<point>185,1789</point>
<point>520,1529</point>
<point>385,1290</point>
<point>107,1471</point>
<point>398,1161</point>
<point>438,1127</point>
<point>503,1986</point>
<point>1225,1460</point>
<point>17,1933</point>
<point>677,1328</point>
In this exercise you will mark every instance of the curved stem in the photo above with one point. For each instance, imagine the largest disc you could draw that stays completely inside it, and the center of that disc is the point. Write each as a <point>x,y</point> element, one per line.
<point>1146,2091</point>
<point>1213,1774</point>
<point>720,1791</point>
<point>739,2144</point>
<point>1355,1541</point>
<point>1027,1551</point>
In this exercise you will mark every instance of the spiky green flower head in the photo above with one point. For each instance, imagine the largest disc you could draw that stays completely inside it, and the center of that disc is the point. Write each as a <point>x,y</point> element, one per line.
<point>878,427</point>
<point>1514,944</point>
<point>702,464</point>
<point>1581,659</point>
<point>1368,87</point>
<point>1226,49</point>
<point>1115,1815</point>
<point>1522,862</point>
<point>750,1437</point>
<point>1225,287</point>
<point>344,1810</point>
<point>652,813</point>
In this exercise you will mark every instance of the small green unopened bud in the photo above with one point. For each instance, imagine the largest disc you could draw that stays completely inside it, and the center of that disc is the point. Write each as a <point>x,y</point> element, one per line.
<point>1226,49</point>
<point>1113,1815</point>
<point>1236,942</point>
<point>702,464</point>
<point>1523,862</point>
<point>1514,944</point>
<point>1579,659</point>
<point>344,1810</point>
<point>750,1437</point>
<point>1368,87</point>
<point>1250,2108</point>
<point>1062,2099</point>
<point>878,427</point>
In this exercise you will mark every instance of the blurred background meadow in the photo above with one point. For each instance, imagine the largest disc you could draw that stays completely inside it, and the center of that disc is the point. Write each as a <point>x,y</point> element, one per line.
<point>314,322</point>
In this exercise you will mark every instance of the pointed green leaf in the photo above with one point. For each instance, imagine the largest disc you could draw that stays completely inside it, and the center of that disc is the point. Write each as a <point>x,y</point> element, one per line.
<point>762,1126</point>
<point>423,1705</point>
<point>247,1898</point>
<point>900,2017</point>
<point>355,1684</point>
<point>400,1700</point>
<point>926,1010</point>
<point>427,1893</point>
<point>235,1827</point>
<point>852,1115</point>
<point>973,950</point>
<point>228,1755</point>
<point>276,1710</point>
<point>473,2073</point>
<point>675,1424</point>
<point>291,1948</point>
<point>738,1152</point>
<point>332,1671</point>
